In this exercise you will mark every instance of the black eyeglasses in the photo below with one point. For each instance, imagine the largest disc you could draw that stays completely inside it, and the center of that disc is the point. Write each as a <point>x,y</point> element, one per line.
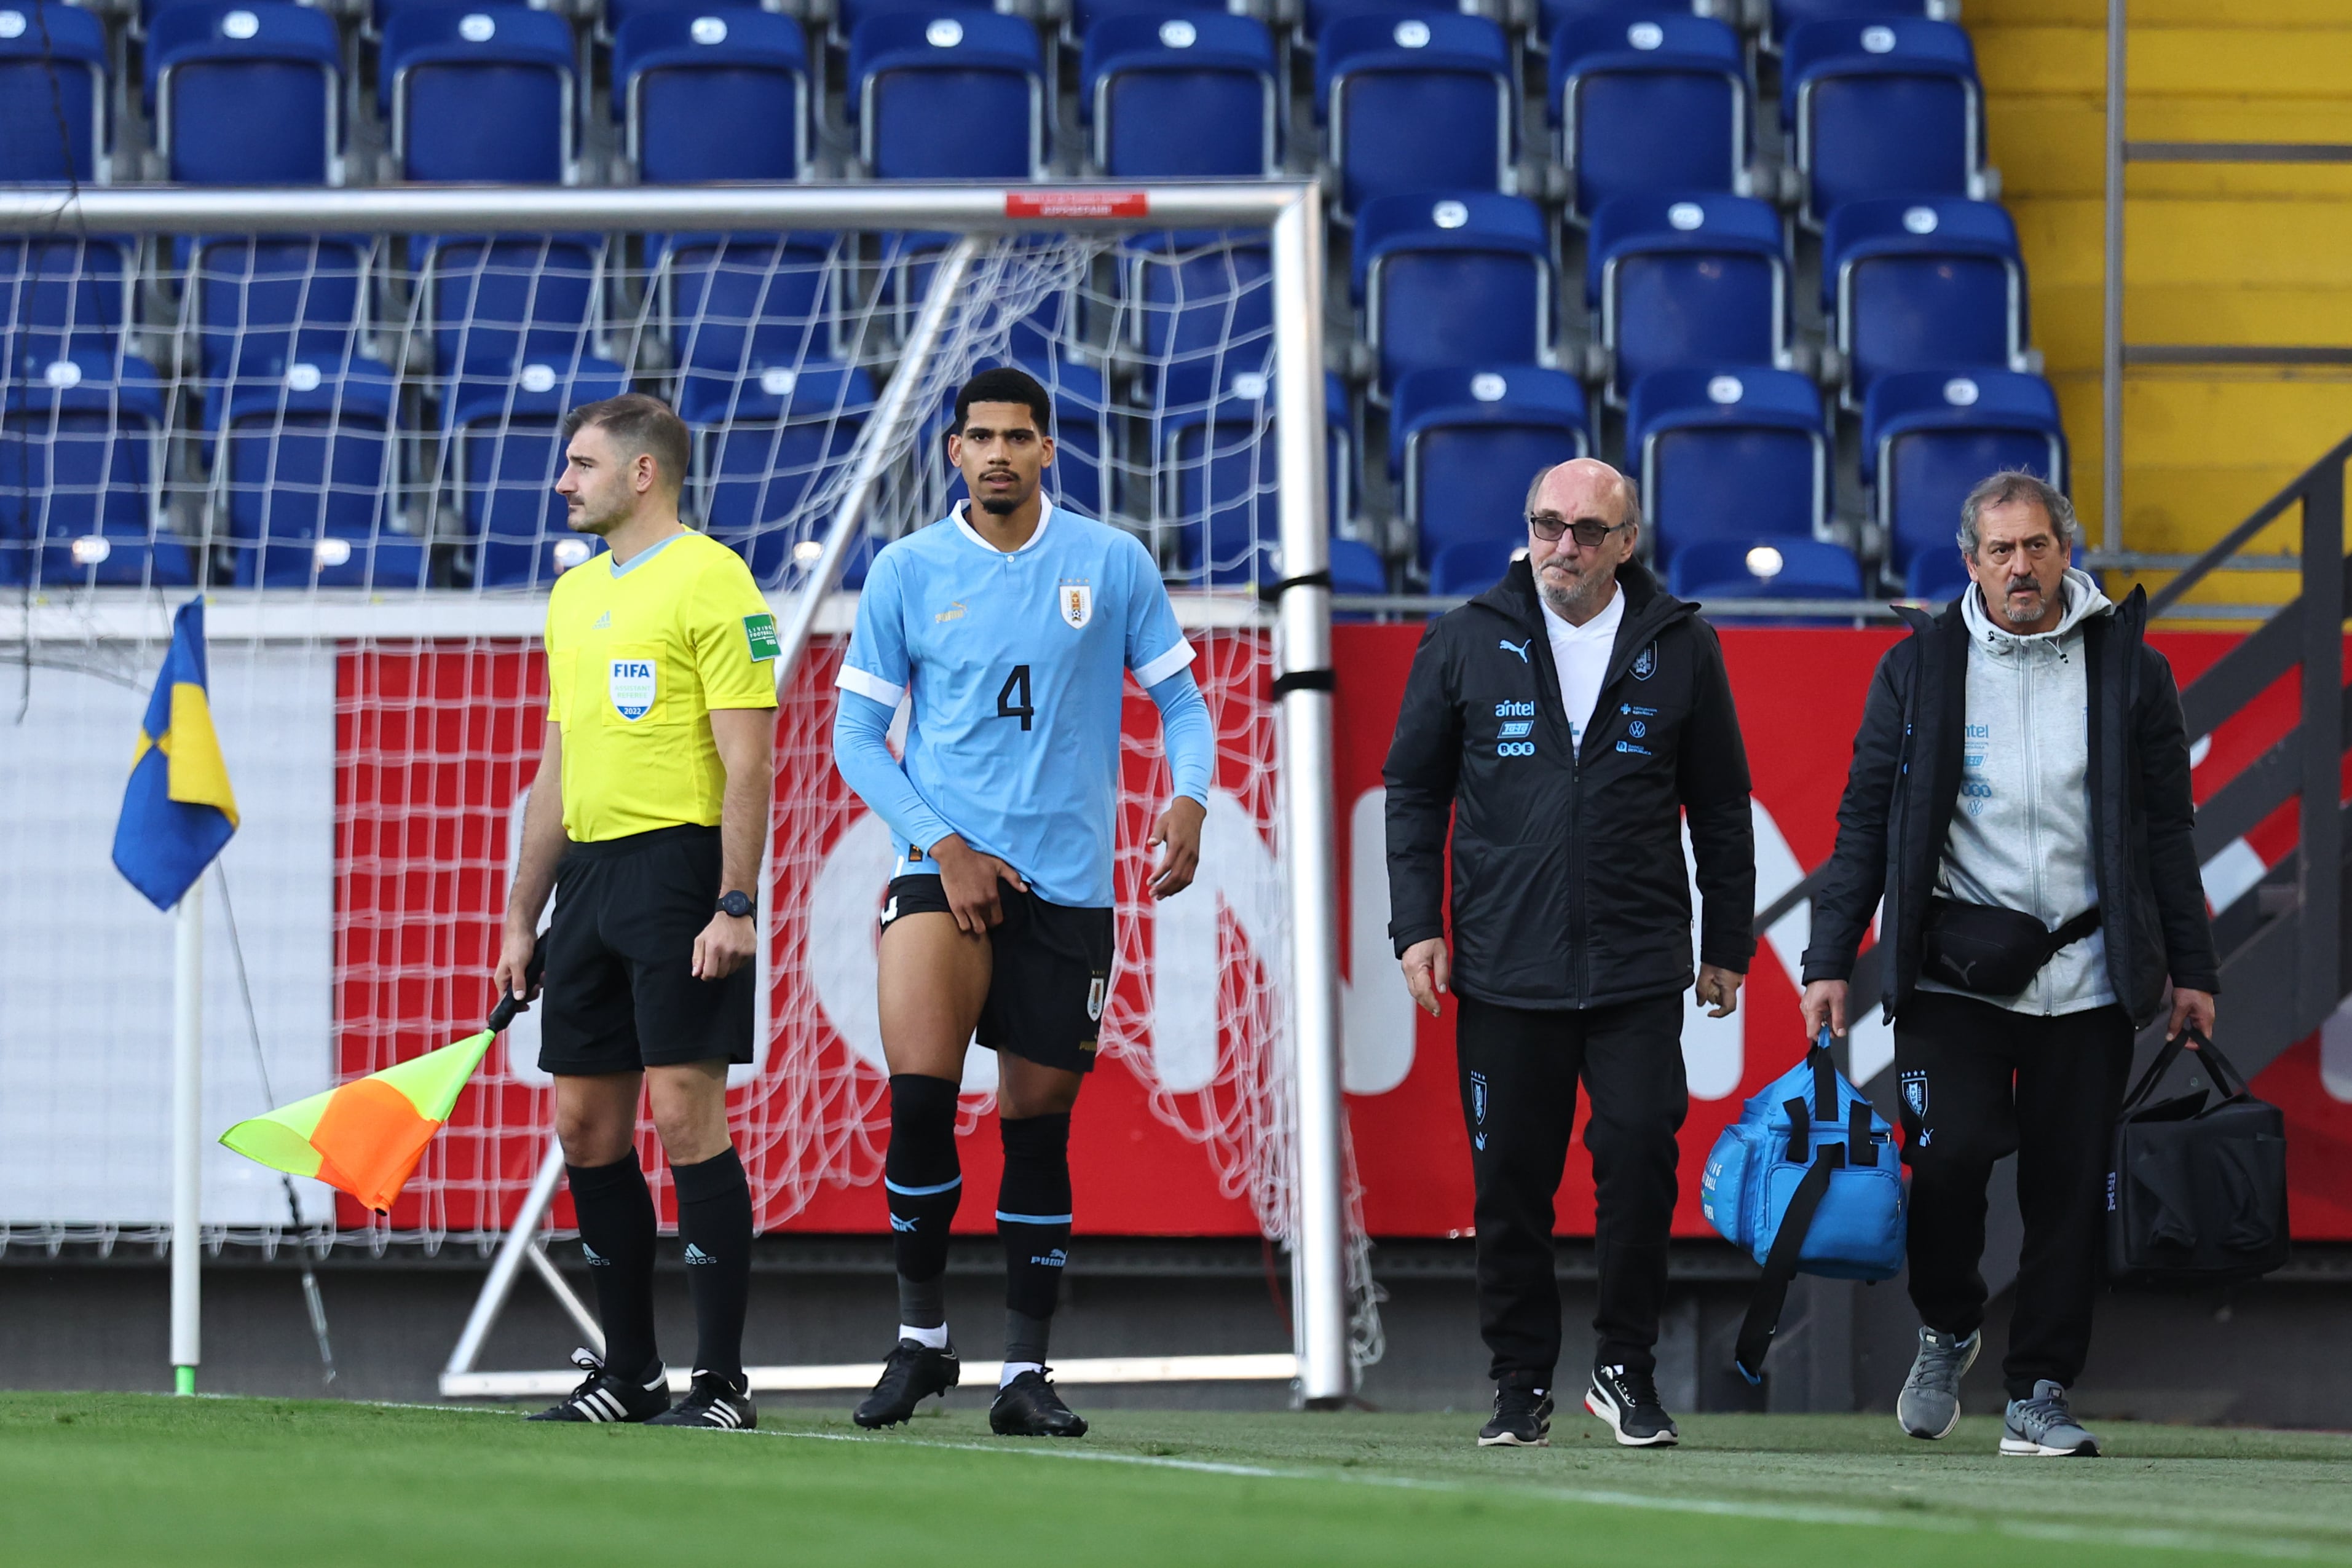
<point>1550,526</point>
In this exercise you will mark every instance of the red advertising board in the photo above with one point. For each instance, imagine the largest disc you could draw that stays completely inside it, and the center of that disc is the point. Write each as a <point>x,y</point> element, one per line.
<point>436,741</point>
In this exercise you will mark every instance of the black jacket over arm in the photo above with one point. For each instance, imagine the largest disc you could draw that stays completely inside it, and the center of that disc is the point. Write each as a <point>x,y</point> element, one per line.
<point>1570,888</point>
<point>1904,781</point>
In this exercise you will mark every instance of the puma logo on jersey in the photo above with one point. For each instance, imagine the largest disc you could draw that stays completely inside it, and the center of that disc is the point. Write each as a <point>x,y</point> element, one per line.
<point>1518,648</point>
<point>952,612</point>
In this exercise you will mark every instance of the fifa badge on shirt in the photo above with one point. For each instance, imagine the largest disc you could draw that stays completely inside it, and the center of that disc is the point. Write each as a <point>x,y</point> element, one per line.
<point>1077,600</point>
<point>633,686</point>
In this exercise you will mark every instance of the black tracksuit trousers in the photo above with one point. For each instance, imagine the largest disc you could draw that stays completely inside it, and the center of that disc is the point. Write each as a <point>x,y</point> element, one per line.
<point>1978,1083</point>
<point>1518,1070</point>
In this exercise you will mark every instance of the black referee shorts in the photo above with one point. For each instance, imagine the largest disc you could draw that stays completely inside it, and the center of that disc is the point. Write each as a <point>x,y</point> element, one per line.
<point>1050,974</point>
<point>620,991</point>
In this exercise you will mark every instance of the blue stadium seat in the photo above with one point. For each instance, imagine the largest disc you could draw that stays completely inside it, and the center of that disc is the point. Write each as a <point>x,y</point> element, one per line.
<point>1923,285</point>
<point>1685,282</point>
<point>1936,576</point>
<point>734,306</point>
<point>1473,566</point>
<point>246,94</point>
<point>713,96</point>
<point>1199,307</point>
<point>1927,436</point>
<point>1882,109</point>
<point>613,15</point>
<point>1357,568</point>
<point>848,16</point>
<point>309,472</point>
<point>63,294</point>
<point>1084,14</point>
<point>1218,464</point>
<point>1765,566</point>
<point>1453,281</point>
<point>1552,14</point>
<point>81,460</point>
<point>1422,102</point>
<point>1086,424</point>
<point>1182,98</point>
<point>31,109</point>
<point>1790,14</point>
<point>1463,444</point>
<point>493,304</point>
<point>957,95</point>
<point>1730,454</point>
<point>766,452</point>
<point>1654,103</point>
<point>258,307</point>
<point>486,94</point>
<point>506,452</point>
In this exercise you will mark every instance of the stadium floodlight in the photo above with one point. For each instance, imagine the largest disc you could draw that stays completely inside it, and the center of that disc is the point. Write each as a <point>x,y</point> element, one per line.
<point>359,392</point>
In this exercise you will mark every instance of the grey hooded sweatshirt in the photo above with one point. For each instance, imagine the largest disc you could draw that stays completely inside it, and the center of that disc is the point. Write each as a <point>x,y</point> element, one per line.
<point>2021,837</point>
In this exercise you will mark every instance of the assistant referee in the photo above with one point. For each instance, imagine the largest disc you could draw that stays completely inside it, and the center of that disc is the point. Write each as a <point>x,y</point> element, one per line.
<point>648,817</point>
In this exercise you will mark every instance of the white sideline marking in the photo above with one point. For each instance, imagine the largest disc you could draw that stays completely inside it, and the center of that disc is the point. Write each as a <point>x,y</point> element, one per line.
<point>1274,1368</point>
<point>2165,1539</point>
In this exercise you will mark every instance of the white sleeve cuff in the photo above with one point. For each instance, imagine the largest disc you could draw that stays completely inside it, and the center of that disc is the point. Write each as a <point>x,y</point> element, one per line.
<point>867,683</point>
<point>1151,674</point>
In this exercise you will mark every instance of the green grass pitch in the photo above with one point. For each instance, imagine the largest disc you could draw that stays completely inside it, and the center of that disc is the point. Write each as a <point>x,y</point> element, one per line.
<point>108,1478</point>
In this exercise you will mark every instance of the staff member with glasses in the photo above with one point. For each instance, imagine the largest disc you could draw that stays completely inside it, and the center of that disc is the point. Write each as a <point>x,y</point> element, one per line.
<point>1562,726</point>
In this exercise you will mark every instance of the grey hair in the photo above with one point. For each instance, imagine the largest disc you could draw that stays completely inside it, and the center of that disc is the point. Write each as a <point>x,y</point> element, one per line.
<point>2009,485</point>
<point>1633,492</point>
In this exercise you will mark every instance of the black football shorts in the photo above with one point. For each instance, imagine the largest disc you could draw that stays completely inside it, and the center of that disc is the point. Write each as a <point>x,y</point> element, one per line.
<point>1051,973</point>
<point>620,991</point>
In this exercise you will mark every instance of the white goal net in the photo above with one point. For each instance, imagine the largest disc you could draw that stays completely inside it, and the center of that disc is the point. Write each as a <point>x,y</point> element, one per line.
<point>347,440</point>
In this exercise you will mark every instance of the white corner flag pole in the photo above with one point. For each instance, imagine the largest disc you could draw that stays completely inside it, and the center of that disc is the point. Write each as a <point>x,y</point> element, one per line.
<point>187,1134</point>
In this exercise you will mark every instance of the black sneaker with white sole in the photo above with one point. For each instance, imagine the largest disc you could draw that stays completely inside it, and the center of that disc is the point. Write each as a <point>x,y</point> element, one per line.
<point>1029,1407</point>
<point>1522,1416</point>
<point>912,1373</point>
<point>602,1397</point>
<point>721,1403</point>
<point>1628,1401</point>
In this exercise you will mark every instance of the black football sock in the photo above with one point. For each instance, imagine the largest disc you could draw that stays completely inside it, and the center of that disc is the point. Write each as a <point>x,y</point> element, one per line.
<point>714,1220</point>
<point>1033,1218</point>
<point>614,1210</point>
<point>925,1184</point>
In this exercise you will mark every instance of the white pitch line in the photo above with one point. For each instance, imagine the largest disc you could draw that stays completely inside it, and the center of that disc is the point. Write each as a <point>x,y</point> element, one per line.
<point>1791,1513</point>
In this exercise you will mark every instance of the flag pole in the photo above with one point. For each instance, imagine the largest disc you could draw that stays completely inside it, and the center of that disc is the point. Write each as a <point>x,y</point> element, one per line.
<point>187,1135</point>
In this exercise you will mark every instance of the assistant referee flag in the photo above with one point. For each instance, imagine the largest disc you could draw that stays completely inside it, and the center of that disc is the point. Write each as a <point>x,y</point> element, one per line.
<point>177,811</point>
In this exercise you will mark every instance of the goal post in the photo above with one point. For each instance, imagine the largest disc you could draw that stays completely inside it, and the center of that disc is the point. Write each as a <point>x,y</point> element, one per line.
<point>909,325</point>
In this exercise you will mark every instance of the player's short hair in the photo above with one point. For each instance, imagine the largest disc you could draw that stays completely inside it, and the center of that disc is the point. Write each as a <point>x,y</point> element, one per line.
<point>639,425</point>
<point>1005,385</point>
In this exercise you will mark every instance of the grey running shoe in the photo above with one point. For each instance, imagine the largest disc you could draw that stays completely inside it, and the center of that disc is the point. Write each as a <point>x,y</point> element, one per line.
<point>2042,1426</point>
<point>1929,1405</point>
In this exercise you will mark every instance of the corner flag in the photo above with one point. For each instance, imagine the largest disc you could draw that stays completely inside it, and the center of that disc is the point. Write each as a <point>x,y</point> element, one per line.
<point>177,811</point>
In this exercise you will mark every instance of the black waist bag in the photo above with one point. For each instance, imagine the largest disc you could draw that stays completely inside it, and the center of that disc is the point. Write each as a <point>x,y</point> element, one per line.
<point>1990,951</point>
<point>2197,1194</point>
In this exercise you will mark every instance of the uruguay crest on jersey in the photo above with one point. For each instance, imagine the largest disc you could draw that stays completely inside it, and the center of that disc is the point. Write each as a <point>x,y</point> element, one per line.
<point>1078,603</point>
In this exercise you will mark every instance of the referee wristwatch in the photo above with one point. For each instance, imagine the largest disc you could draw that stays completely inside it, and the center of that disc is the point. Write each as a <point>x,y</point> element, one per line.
<point>737,903</point>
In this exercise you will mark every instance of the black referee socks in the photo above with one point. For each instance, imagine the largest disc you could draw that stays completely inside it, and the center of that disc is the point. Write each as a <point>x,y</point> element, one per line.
<point>714,1220</point>
<point>925,1184</point>
<point>614,1210</point>
<point>1033,1218</point>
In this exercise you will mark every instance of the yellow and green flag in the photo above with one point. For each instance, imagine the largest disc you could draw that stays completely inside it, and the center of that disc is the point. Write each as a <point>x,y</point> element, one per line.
<point>177,811</point>
<point>366,1136</point>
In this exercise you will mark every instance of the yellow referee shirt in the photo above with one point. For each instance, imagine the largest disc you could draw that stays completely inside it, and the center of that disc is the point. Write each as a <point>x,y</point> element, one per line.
<point>636,658</point>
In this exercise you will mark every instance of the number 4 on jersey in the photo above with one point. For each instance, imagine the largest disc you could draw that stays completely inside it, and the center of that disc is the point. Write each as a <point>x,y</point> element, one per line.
<point>1013,701</point>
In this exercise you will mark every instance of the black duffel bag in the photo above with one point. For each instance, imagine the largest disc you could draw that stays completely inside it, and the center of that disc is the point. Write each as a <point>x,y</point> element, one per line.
<point>2197,1192</point>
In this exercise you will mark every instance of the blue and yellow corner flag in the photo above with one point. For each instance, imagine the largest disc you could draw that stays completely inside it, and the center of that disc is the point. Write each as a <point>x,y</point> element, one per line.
<point>177,811</point>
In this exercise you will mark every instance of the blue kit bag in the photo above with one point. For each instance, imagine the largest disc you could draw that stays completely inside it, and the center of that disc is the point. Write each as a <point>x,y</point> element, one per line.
<point>1806,1182</point>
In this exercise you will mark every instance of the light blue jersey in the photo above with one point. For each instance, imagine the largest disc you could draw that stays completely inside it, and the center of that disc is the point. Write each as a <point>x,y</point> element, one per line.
<point>1016,663</point>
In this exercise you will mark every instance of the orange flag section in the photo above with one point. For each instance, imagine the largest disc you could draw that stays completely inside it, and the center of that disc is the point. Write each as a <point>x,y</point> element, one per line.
<point>366,1136</point>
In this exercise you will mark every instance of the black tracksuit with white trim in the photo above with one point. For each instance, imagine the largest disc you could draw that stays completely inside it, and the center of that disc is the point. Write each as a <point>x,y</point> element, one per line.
<point>1570,923</point>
